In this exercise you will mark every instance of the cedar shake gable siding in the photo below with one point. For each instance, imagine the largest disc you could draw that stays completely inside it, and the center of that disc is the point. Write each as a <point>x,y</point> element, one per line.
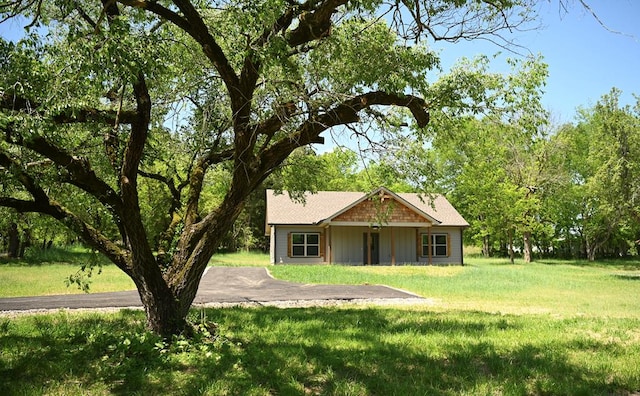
<point>388,211</point>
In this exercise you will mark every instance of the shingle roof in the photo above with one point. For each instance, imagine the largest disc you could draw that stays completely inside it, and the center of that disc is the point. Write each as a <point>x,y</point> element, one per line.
<point>324,204</point>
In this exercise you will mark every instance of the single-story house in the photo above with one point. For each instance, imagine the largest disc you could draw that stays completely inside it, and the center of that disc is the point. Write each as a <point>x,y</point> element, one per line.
<point>359,228</point>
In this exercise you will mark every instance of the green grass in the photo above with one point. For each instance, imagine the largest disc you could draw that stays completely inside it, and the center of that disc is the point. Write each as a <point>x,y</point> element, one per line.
<point>47,272</point>
<point>491,328</point>
<point>322,351</point>
<point>240,259</point>
<point>490,285</point>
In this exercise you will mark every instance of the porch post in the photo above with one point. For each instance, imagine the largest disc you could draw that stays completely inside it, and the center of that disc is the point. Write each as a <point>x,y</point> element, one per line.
<point>328,242</point>
<point>369,246</point>
<point>393,248</point>
<point>430,243</point>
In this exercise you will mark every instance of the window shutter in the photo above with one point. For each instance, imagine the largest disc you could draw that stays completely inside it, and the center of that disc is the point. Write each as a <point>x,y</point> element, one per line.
<point>322,247</point>
<point>448,245</point>
<point>289,245</point>
<point>418,245</point>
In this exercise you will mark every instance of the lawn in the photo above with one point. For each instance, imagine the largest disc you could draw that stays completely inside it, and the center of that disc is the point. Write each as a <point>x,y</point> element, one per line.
<point>48,272</point>
<point>491,328</point>
<point>568,288</point>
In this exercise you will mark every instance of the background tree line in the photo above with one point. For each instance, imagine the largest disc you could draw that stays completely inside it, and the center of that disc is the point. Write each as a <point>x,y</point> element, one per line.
<point>568,191</point>
<point>564,191</point>
<point>527,189</point>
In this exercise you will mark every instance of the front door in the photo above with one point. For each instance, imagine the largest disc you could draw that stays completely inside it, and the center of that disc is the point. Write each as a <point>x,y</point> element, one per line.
<point>375,248</point>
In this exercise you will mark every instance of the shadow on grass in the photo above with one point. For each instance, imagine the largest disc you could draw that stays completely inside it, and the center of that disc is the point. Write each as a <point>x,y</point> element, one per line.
<point>40,257</point>
<point>625,263</point>
<point>290,352</point>
<point>50,352</point>
<point>630,276</point>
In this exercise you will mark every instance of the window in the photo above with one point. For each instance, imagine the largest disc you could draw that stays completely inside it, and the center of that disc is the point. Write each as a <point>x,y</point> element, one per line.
<point>305,244</point>
<point>439,245</point>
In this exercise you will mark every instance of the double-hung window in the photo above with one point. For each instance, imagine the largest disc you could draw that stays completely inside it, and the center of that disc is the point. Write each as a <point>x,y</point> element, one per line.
<point>439,245</point>
<point>305,244</point>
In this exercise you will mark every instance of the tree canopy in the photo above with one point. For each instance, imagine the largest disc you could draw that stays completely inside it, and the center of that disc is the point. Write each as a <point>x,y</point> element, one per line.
<point>115,115</point>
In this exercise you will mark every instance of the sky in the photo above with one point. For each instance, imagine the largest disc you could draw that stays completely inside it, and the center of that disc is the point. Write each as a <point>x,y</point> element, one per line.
<point>585,58</point>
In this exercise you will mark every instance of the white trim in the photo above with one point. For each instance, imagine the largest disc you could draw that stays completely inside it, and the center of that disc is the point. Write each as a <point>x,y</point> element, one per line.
<point>380,226</point>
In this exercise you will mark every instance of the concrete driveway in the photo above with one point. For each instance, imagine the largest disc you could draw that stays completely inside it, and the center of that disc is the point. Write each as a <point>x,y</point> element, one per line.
<point>219,285</point>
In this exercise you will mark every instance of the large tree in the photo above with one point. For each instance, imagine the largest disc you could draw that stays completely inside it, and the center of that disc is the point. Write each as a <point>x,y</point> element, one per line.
<point>103,95</point>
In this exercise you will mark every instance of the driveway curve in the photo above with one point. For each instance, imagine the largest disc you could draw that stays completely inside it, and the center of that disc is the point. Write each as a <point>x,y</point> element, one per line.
<point>219,285</point>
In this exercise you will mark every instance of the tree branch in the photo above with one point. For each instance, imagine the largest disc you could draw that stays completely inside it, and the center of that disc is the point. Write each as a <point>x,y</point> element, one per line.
<point>175,192</point>
<point>139,132</point>
<point>79,170</point>
<point>159,10</point>
<point>199,31</point>
<point>196,180</point>
<point>43,204</point>
<point>68,116</point>
<point>316,24</point>
<point>342,114</point>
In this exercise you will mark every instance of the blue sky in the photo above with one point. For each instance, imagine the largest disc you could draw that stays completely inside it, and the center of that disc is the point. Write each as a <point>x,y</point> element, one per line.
<point>585,59</point>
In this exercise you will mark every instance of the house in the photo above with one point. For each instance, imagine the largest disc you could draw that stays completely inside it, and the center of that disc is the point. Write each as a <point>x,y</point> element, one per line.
<point>358,228</point>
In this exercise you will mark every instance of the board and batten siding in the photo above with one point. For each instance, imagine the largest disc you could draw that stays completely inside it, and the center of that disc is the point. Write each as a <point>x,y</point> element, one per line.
<point>279,246</point>
<point>405,241</point>
<point>455,245</point>
<point>347,247</point>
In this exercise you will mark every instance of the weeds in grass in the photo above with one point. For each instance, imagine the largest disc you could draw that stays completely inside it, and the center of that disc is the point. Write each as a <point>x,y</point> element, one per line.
<point>588,344</point>
<point>323,351</point>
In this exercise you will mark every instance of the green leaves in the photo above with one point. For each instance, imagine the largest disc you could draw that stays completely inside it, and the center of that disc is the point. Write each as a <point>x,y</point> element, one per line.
<point>601,158</point>
<point>363,53</point>
<point>470,89</point>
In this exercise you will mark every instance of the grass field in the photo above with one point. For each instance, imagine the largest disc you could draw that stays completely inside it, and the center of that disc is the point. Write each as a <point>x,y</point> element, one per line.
<point>576,288</point>
<point>549,328</point>
<point>47,272</point>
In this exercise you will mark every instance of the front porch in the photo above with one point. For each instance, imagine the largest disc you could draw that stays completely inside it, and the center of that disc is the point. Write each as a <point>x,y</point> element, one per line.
<point>389,245</point>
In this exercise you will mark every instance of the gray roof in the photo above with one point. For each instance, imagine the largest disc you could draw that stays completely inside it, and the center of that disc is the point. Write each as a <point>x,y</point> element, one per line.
<point>323,205</point>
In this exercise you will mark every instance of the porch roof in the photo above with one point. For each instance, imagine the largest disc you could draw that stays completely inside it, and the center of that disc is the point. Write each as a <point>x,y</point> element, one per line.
<point>325,205</point>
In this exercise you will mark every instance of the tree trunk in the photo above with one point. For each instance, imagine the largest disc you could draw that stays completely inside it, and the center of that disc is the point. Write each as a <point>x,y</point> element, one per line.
<point>14,241</point>
<point>486,247</point>
<point>167,297</point>
<point>527,248</point>
<point>511,252</point>
<point>163,312</point>
<point>25,243</point>
<point>590,251</point>
<point>162,307</point>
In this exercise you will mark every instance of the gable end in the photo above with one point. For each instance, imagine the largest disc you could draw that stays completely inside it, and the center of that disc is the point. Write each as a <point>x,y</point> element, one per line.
<point>385,210</point>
